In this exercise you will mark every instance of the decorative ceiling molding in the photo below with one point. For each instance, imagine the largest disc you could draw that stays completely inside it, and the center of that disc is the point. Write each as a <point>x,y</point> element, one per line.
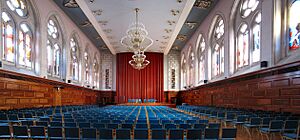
<point>107,30</point>
<point>103,22</point>
<point>190,25</point>
<point>168,30</point>
<point>203,4</point>
<point>70,4</point>
<point>84,7</point>
<point>181,37</point>
<point>97,12</point>
<point>171,22</point>
<point>166,37</point>
<point>183,16</point>
<point>175,12</point>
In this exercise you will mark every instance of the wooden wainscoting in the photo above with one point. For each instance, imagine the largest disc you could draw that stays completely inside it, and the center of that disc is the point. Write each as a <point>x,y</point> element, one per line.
<point>23,91</point>
<point>274,89</point>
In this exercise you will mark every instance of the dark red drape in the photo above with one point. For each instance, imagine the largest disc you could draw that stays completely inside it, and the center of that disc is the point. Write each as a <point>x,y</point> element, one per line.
<point>139,84</point>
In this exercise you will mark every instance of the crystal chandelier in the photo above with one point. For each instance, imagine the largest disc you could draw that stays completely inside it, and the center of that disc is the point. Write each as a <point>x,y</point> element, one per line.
<point>139,61</point>
<point>137,41</point>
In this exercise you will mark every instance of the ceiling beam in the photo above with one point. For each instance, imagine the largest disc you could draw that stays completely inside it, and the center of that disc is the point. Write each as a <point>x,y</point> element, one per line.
<point>84,7</point>
<point>185,12</point>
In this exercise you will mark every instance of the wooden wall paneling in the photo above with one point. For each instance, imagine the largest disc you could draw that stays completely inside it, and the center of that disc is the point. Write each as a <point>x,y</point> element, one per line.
<point>274,89</point>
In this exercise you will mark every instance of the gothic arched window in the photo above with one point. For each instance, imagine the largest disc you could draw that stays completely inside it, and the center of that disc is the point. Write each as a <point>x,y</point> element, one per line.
<point>217,44</point>
<point>201,58</point>
<point>74,59</point>
<point>54,44</point>
<point>18,30</point>
<point>247,33</point>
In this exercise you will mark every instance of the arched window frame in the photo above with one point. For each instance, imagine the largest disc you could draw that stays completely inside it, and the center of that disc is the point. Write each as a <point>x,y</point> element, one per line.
<point>5,49</point>
<point>54,66</point>
<point>251,55</point>
<point>96,73</point>
<point>191,67</point>
<point>75,60</point>
<point>217,48</point>
<point>25,49</point>
<point>201,48</point>
<point>87,69</point>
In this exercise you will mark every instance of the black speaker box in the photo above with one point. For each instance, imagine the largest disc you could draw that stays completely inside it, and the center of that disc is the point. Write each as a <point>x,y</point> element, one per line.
<point>205,81</point>
<point>264,64</point>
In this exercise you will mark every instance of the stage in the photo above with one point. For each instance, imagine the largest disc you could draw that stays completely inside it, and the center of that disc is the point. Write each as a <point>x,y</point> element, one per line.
<point>149,104</point>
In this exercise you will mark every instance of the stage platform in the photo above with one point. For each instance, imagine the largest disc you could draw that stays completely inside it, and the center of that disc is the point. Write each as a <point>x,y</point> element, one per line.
<point>149,104</point>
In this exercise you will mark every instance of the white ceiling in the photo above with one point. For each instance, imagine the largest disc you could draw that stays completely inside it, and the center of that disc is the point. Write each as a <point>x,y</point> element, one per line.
<point>154,14</point>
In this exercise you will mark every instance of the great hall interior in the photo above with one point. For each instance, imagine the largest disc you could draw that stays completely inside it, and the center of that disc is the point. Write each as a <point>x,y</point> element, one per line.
<point>150,69</point>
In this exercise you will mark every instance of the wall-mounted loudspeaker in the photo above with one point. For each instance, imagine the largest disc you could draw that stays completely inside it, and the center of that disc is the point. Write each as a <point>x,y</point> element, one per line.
<point>69,81</point>
<point>0,64</point>
<point>205,81</point>
<point>263,64</point>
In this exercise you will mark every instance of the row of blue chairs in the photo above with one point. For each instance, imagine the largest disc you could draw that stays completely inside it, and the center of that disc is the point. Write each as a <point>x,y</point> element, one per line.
<point>266,123</point>
<point>39,132</point>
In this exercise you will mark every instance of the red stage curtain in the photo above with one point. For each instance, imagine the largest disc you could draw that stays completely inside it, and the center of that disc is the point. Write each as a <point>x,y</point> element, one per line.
<point>139,84</point>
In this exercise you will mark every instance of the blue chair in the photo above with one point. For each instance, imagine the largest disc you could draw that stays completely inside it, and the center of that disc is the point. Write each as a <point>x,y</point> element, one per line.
<point>55,133</point>
<point>214,125</point>
<point>41,123</point>
<point>72,133</point>
<point>89,133</point>
<point>193,134</point>
<point>141,134</point>
<point>56,124</point>
<point>159,134</point>
<point>203,121</point>
<point>170,126</point>
<point>229,133</point>
<point>290,126</point>
<point>99,125</point>
<point>185,126</point>
<point>123,134</point>
<point>176,134</point>
<point>153,126</point>
<point>200,126</point>
<point>211,134</point>
<point>105,134</point>
<point>37,132</point>
<point>70,124</point>
<point>20,132</point>
<point>254,123</point>
<point>112,126</point>
<point>84,125</point>
<point>276,126</point>
<point>141,125</point>
<point>292,136</point>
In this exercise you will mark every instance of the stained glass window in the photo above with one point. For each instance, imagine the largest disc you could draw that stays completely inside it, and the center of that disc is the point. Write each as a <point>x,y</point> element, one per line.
<point>294,26</point>
<point>192,69</point>
<point>24,45</point>
<point>201,56</point>
<point>248,6</point>
<point>242,53</point>
<point>18,6</point>
<point>49,56</point>
<point>74,57</point>
<point>52,29</point>
<point>56,64</point>
<point>8,38</point>
<point>17,33</point>
<point>218,48</point>
<point>256,38</point>
<point>96,72</point>
<point>54,47</point>
<point>86,66</point>
<point>247,34</point>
